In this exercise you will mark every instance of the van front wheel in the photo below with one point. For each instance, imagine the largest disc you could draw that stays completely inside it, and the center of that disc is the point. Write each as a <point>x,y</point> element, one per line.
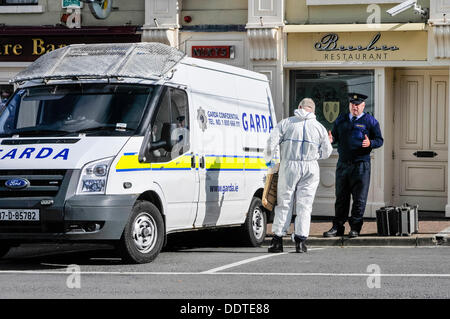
<point>255,226</point>
<point>4,249</point>
<point>143,236</point>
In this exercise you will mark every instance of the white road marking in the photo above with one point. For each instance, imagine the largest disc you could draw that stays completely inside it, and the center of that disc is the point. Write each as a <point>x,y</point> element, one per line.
<point>242,262</point>
<point>143,273</point>
<point>246,261</point>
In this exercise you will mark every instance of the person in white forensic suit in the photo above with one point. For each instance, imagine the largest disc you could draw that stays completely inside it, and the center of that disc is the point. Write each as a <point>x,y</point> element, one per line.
<point>303,141</point>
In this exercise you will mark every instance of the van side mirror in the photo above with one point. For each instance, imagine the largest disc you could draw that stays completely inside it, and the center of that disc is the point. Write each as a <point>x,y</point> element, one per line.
<point>166,142</point>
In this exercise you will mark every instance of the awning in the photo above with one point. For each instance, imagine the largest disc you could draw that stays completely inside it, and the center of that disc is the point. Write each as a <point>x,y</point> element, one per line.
<point>321,28</point>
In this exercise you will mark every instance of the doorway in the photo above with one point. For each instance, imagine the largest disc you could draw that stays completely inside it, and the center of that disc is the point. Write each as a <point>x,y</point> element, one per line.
<point>421,138</point>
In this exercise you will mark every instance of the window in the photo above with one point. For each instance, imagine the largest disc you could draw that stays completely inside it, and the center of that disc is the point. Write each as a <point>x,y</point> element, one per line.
<point>5,92</point>
<point>171,123</point>
<point>67,110</point>
<point>329,89</point>
<point>18,2</point>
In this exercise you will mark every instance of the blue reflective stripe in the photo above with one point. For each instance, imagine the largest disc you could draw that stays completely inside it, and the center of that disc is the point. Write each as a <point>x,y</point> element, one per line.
<point>132,169</point>
<point>238,156</point>
<point>170,169</point>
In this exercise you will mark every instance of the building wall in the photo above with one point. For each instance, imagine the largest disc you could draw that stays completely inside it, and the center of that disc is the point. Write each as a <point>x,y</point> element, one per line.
<point>298,12</point>
<point>125,12</point>
<point>214,12</point>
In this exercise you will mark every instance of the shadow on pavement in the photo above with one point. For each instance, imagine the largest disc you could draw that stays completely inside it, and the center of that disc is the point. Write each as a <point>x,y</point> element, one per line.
<point>225,237</point>
<point>57,257</point>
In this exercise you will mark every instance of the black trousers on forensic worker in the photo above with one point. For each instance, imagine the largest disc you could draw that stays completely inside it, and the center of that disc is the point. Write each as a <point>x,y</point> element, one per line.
<point>352,181</point>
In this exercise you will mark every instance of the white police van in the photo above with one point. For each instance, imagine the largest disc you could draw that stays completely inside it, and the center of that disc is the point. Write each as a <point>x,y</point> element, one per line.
<point>126,143</point>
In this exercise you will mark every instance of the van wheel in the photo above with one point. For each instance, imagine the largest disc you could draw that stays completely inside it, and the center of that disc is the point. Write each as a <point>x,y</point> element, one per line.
<point>255,226</point>
<point>4,249</point>
<point>143,236</point>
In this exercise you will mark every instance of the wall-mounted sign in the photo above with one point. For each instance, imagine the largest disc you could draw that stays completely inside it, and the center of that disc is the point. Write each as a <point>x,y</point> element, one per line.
<point>331,110</point>
<point>358,46</point>
<point>213,52</point>
<point>71,4</point>
<point>101,9</point>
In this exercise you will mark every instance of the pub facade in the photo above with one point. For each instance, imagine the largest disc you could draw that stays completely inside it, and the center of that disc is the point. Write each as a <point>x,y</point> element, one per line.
<point>322,49</point>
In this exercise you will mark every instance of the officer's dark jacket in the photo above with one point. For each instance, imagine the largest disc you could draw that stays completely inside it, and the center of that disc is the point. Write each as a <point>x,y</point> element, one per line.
<point>350,136</point>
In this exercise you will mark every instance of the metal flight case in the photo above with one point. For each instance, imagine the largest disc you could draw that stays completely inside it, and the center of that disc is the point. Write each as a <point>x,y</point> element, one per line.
<point>397,221</point>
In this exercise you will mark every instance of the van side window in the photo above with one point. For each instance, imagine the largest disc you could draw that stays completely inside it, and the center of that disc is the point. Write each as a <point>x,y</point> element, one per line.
<point>172,119</point>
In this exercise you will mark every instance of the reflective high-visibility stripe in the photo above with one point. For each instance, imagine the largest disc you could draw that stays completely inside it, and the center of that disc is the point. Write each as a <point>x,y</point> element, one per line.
<point>130,162</point>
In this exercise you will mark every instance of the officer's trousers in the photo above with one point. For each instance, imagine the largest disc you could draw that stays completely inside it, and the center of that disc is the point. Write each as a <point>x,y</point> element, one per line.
<point>352,182</point>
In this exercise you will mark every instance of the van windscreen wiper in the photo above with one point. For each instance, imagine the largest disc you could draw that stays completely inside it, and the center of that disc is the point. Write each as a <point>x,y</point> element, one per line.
<point>37,132</point>
<point>104,128</point>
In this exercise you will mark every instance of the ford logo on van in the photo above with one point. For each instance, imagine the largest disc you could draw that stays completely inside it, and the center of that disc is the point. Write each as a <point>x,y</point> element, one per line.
<point>17,183</point>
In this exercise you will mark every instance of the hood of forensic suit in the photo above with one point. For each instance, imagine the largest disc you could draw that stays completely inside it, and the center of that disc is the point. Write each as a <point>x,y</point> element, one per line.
<point>57,152</point>
<point>304,115</point>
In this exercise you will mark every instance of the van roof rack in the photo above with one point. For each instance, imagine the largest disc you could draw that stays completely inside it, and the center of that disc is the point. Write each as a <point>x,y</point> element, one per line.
<point>144,60</point>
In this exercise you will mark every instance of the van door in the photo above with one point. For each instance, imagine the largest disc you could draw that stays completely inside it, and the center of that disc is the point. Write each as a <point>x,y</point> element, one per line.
<point>174,168</point>
<point>221,161</point>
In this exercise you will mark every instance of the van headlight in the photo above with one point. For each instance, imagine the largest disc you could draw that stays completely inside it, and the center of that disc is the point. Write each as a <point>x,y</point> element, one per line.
<point>94,176</point>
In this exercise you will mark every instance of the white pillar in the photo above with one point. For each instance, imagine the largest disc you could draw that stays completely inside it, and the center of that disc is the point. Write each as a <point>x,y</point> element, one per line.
<point>162,21</point>
<point>265,38</point>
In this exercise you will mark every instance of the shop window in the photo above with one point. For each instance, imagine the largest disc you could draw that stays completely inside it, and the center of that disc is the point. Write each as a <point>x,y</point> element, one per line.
<point>5,93</point>
<point>18,2</point>
<point>329,89</point>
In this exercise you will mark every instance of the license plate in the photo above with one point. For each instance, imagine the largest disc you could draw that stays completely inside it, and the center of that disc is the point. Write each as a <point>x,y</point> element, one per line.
<point>19,214</point>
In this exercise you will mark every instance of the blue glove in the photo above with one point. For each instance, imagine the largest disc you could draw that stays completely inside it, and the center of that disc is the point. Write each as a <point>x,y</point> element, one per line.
<point>270,164</point>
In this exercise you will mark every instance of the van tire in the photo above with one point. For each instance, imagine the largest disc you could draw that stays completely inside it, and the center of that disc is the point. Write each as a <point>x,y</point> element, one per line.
<point>143,236</point>
<point>255,226</point>
<point>4,249</point>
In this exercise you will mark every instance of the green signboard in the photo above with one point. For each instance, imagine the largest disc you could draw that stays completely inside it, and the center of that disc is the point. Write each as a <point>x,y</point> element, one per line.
<point>71,3</point>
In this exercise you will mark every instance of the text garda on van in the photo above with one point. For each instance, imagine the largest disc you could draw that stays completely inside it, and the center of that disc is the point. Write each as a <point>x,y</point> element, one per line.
<point>31,152</point>
<point>256,122</point>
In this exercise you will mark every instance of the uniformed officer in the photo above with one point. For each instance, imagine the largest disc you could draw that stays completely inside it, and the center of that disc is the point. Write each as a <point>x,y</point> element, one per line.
<point>356,134</point>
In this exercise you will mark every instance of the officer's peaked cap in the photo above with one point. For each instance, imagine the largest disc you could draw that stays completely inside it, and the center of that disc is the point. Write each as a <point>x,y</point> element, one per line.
<point>357,98</point>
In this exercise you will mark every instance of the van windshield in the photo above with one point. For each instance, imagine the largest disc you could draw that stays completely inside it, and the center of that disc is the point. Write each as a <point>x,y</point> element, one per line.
<point>64,110</point>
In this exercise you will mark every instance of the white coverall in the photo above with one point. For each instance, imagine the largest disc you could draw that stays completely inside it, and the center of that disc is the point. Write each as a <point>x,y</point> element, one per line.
<point>303,140</point>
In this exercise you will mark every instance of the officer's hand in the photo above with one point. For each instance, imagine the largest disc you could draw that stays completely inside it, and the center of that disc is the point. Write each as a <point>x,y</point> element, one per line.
<point>330,137</point>
<point>366,142</point>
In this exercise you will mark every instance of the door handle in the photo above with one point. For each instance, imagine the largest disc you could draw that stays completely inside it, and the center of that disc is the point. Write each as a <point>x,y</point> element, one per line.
<point>425,154</point>
<point>193,161</point>
<point>202,162</point>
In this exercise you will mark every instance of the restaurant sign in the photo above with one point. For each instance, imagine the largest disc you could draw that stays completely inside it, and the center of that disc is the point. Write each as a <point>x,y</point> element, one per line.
<point>358,46</point>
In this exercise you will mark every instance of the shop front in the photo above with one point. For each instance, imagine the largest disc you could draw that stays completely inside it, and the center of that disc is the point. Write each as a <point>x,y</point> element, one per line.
<point>407,92</point>
<point>19,46</point>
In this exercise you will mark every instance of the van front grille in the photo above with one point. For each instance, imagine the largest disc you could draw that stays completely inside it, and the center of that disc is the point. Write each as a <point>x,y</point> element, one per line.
<point>42,183</point>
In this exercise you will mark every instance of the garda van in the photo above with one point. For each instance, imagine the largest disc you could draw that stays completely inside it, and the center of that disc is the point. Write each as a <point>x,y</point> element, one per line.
<point>126,143</point>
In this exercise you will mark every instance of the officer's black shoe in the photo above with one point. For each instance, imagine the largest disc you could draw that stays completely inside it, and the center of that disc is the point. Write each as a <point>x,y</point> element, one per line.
<point>334,231</point>
<point>276,245</point>
<point>300,245</point>
<point>353,234</point>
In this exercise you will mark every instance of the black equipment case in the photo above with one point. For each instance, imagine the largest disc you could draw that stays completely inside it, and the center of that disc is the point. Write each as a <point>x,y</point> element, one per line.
<point>397,221</point>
